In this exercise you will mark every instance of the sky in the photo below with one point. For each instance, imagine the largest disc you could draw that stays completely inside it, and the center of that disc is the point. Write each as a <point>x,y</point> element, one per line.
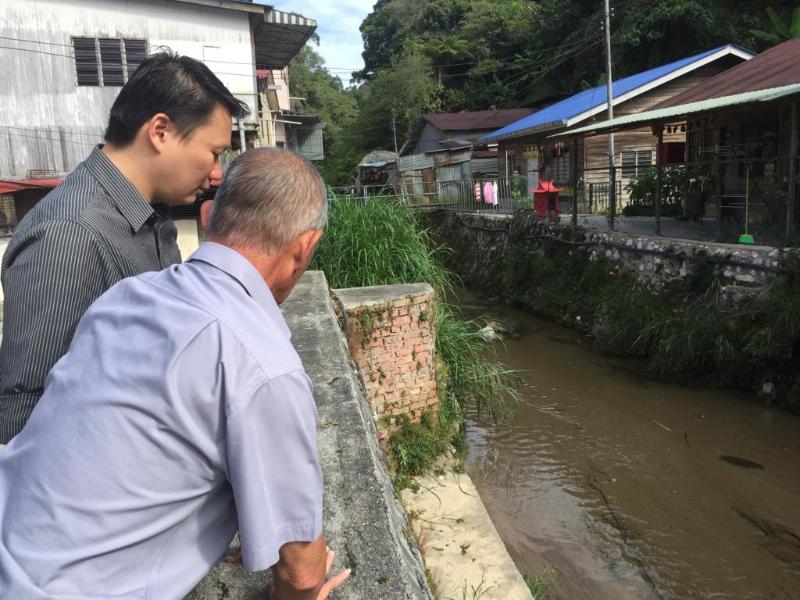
<point>337,26</point>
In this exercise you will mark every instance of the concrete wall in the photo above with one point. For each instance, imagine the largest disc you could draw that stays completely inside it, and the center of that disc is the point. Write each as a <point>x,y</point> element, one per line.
<point>391,335</point>
<point>49,122</point>
<point>363,521</point>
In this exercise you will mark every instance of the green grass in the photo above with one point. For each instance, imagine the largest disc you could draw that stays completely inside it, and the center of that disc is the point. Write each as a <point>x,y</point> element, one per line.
<point>380,242</point>
<point>538,586</point>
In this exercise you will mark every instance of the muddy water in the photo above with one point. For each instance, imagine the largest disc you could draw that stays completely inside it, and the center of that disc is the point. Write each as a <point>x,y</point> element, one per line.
<point>615,483</point>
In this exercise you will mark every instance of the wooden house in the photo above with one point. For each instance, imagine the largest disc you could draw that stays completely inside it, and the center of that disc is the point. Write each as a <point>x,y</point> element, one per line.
<point>742,129</point>
<point>437,131</point>
<point>527,147</point>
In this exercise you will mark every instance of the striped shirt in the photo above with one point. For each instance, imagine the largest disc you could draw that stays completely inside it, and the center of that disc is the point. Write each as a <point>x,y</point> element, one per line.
<point>87,234</point>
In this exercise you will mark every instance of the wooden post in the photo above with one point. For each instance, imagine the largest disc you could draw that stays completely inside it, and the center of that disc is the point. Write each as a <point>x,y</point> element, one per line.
<point>575,182</point>
<point>792,199</point>
<point>659,161</point>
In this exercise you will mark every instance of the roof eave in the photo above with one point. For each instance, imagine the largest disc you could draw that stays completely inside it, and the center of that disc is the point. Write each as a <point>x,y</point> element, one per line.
<point>523,132</point>
<point>279,36</point>
<point>246,7</point>
<point>676,113</point>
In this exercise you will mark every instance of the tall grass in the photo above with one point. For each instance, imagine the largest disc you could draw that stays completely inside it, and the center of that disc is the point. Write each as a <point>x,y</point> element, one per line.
<point>381,242</point>
<point>378,242</point>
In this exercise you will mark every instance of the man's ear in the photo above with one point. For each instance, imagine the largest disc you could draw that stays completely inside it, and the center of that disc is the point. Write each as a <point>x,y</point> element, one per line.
<point>157,130</point>
<point>306,243</point>
<point>206,209</point>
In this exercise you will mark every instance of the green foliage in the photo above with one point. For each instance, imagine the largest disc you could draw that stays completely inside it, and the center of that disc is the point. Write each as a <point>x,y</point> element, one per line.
<point>401,92</point>
<point>538,586</point>
<point>781,31</point>
<point>472,376</point>
<point>325,96</point>
<point>628,320</point>
<point>642,191</point>
<point>375,243</point>
<point>380,242</point>
<point>416,444</point>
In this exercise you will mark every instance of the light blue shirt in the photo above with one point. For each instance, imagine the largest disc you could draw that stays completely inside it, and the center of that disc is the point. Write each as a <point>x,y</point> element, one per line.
<point>180,413</point>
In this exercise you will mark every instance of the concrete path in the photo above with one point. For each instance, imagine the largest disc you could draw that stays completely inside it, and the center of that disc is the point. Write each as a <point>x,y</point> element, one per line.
<point>462,549</point>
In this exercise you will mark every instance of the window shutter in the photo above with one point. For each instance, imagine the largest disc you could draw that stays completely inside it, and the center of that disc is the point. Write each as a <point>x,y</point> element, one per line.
<point>135,53</point>
<point>86,61</point>
<point>628,165</point>
<point>111,61</point>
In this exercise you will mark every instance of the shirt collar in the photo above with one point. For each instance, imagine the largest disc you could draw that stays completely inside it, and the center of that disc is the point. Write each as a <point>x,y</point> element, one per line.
<point>122,192</point>
<point>239,268</point>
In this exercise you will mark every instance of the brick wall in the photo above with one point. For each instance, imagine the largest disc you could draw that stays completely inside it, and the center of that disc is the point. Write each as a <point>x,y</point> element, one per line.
<point>391,335</point>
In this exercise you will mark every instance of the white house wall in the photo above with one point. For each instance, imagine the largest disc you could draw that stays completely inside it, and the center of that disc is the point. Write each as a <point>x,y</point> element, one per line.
<point>49,122</point>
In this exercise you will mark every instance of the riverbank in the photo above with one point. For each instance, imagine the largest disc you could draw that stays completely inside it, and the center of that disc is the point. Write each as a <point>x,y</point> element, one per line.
<point>464,555</point>
<point>723,314</point>
<point>628,488</point>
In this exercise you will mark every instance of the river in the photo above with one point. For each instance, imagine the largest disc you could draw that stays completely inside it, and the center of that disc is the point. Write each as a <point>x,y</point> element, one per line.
<point>618,486</point>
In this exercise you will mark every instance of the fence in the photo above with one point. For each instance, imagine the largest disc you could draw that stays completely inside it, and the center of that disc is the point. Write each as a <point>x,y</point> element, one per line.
<point>466,195</point>
<point>719,195</point>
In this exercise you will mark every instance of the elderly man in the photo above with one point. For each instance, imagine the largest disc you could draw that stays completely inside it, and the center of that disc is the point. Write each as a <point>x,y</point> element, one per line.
<point>180,412</point>
<point>167,128</point>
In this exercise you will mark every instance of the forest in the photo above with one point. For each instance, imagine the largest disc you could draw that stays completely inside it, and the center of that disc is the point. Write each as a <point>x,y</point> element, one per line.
<point>452,55</point>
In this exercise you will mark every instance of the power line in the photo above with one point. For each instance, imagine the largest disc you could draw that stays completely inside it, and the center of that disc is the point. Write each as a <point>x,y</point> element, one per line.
<point>53,131</point>
<point>103,63</point>
<point>43,137</point>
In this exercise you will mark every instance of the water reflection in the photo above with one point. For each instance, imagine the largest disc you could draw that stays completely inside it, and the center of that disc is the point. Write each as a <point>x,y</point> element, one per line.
<point>615,481</point>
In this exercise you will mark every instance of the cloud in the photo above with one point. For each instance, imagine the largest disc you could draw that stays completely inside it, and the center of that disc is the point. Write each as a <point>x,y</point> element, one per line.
<point>337,26</point>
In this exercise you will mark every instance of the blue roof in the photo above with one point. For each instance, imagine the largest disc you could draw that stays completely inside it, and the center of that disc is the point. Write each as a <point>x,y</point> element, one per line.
<point>558,114</point>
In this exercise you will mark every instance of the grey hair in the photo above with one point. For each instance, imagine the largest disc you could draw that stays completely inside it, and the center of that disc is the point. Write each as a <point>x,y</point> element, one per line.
<point>268,198</point>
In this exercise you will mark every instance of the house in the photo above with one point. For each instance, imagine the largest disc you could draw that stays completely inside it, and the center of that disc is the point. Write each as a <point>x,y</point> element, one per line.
<point>527,148</point>
<point>436,131</point>
<point>284,121</point>
<point>742,140</point>
<point>64,61</point>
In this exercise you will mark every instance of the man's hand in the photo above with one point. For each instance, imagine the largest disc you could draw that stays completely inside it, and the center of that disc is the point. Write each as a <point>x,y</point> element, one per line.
<point>301,572</point>
<point>335,581</point>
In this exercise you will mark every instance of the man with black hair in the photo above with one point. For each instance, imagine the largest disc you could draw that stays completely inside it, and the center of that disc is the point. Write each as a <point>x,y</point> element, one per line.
<point>200,418</point>
<point>166,131</point>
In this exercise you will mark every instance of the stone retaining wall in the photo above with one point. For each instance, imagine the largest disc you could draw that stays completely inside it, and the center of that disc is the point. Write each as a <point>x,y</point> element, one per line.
<point>480,242</point>
<point>391,335</point>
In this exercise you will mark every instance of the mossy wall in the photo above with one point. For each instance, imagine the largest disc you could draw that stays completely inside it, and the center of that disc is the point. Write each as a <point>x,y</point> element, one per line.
<point>722,313</point>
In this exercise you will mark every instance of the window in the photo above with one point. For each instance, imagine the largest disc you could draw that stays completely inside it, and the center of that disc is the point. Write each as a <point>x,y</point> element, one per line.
<point>107,61</point>
<point>635,163</point>
<point>560,169</point>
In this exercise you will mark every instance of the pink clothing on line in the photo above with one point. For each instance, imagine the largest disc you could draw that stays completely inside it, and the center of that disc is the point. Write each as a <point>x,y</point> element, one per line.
<point>488,193</point>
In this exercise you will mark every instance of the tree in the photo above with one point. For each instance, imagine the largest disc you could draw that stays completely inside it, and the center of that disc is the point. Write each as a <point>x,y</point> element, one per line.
<point>326,96</point>
<point>397,97</point>
<point>781,31</point>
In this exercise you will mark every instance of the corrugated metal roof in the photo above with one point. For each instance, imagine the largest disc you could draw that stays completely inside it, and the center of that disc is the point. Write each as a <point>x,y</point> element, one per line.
<point>414,162</point>
<point>581,105</point>
<point>677,112</point>
<point>9,186</point>
<point>476,120</point>
<point>776,67</point>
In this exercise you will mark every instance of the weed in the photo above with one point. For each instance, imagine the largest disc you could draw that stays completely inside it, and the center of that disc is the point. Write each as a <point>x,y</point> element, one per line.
<point>471,592</point>
<point>538,585</point>
<point>381,242</point>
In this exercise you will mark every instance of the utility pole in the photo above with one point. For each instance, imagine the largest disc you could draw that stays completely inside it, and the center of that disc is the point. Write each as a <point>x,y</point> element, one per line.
<point>394,134</point>
<point>612,170</point>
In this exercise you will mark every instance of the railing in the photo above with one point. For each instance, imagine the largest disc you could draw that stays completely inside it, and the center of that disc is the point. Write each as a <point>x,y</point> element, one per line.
<point>460,194</point>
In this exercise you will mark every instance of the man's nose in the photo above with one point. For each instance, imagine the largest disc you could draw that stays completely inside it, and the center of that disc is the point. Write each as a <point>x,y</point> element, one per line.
<point>216,172</point>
